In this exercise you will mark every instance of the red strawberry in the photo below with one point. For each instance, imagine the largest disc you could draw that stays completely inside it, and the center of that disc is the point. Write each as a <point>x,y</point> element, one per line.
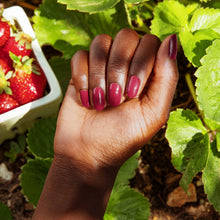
<point>7,103</point>
<point>28,82</point>
<point>19,45</point>
<point>6,58</point>
<point>4,65</point>
<point>4,31</point>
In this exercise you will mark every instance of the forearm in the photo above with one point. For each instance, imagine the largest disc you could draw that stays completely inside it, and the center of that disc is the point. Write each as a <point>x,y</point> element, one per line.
<point>67,194</point>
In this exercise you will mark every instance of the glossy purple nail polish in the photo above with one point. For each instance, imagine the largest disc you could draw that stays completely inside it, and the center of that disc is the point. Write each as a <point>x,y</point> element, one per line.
<point>98,98</point>
<point>84,95</point>
<point>114,94</point>
<point>133,86</point>
<point>173,47</point>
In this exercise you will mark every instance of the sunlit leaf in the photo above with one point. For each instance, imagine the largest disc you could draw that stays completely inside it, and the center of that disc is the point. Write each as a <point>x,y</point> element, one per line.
<point>211,177</point>
<point>69,31</point>
<point>189,141</point>
<point>208,83</point>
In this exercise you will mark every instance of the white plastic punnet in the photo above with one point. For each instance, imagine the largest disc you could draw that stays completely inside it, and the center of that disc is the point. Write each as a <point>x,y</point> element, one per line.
<point>18,120</point>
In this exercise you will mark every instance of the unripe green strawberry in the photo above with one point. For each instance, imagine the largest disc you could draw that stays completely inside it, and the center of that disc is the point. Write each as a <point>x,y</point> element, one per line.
<point>28,81</point>
<point>7,102</point>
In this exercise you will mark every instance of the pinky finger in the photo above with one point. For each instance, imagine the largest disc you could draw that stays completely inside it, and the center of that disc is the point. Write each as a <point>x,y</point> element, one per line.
<point>79,67</point>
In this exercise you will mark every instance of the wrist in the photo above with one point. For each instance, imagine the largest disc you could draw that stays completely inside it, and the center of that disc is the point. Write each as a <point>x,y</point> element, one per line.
<point>71,192</point>
<point>87,175</point>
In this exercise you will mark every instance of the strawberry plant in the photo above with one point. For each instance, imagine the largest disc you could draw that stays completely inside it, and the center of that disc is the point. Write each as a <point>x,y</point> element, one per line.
<point>193,134</point>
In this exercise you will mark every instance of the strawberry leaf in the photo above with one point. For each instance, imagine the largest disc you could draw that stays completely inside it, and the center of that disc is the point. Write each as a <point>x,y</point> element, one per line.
<point>89,6</point>
<point>5,212</point>
<point>169,17</point>
<point>205,18</point>
<point>33,177</point>
<point>208,74</point>
<point>69,31</point>
<point>189,145</point>
<point>41,136</point>
<point>93,6</point>
<point>211,177</point>
<point>195,35</point>
<point>127,204</point>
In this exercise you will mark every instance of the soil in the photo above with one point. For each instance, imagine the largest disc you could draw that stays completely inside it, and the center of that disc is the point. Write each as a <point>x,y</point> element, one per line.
<point>155,177</point>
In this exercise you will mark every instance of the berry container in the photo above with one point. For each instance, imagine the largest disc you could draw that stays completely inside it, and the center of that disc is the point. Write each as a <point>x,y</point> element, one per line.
<point>18,120</point>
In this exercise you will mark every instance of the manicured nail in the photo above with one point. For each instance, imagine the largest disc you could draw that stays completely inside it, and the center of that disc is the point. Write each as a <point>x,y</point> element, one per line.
<point>114,94</point>
<point>133,86</point>
<point>173,47</point>
<point>98,98</point>
<point>84,95</point>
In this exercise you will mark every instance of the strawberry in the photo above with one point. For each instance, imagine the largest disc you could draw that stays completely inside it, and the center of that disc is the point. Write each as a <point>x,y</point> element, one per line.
<point>6,58</point>
<point>20,45</point>
<point>4,65</point>
<point>4,31</point>
<point>7,102</point>
<point>28,81</point>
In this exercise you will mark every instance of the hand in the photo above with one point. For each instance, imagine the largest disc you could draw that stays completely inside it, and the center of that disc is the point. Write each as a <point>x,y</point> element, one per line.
<point>119,96</point>
<point>130,84</point>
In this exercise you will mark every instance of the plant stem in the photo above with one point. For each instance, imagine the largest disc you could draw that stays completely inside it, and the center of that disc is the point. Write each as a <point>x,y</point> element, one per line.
<point>141,26</point>
<point>148,6</point>
<point>192,91</point>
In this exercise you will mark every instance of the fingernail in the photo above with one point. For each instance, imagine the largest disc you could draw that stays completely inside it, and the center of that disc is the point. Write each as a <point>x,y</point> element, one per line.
<point>173,47</point>
<point>114,94</point>
<point>133,86</point>
<point>98,98</point>
<point>84,95</point>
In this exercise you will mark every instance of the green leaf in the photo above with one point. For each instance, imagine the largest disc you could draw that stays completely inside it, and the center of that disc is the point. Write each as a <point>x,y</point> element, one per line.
<point>62,70</point>
<point>69,31</point>
<point>5,213</point>
<point>194,45</point>
<point>134,1</point>
<point>89,6</point>
<point>16,148</point>
<point>211,177</point>
<point>127,171</point>
<point>41,136</point>
<point>127,204</point>
<point>191,8</point>
<point>33,177</point>
<point>205,18</point>
<point>169,17</point>
<point>213,125</point>
<point>189,141</point>
<point>196,35</point>
<point>208,83</point>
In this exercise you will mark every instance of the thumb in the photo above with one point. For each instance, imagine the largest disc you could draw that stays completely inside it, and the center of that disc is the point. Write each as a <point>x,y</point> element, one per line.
<point>162,85</point>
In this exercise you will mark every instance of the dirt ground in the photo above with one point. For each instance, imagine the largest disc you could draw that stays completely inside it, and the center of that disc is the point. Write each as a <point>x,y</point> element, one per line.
<point>155,178</point>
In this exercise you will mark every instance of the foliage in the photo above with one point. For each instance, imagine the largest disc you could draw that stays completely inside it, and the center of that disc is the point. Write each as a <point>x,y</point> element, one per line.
<point>194,136</point>
<point>16,148</point>
<point>5,212</point>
